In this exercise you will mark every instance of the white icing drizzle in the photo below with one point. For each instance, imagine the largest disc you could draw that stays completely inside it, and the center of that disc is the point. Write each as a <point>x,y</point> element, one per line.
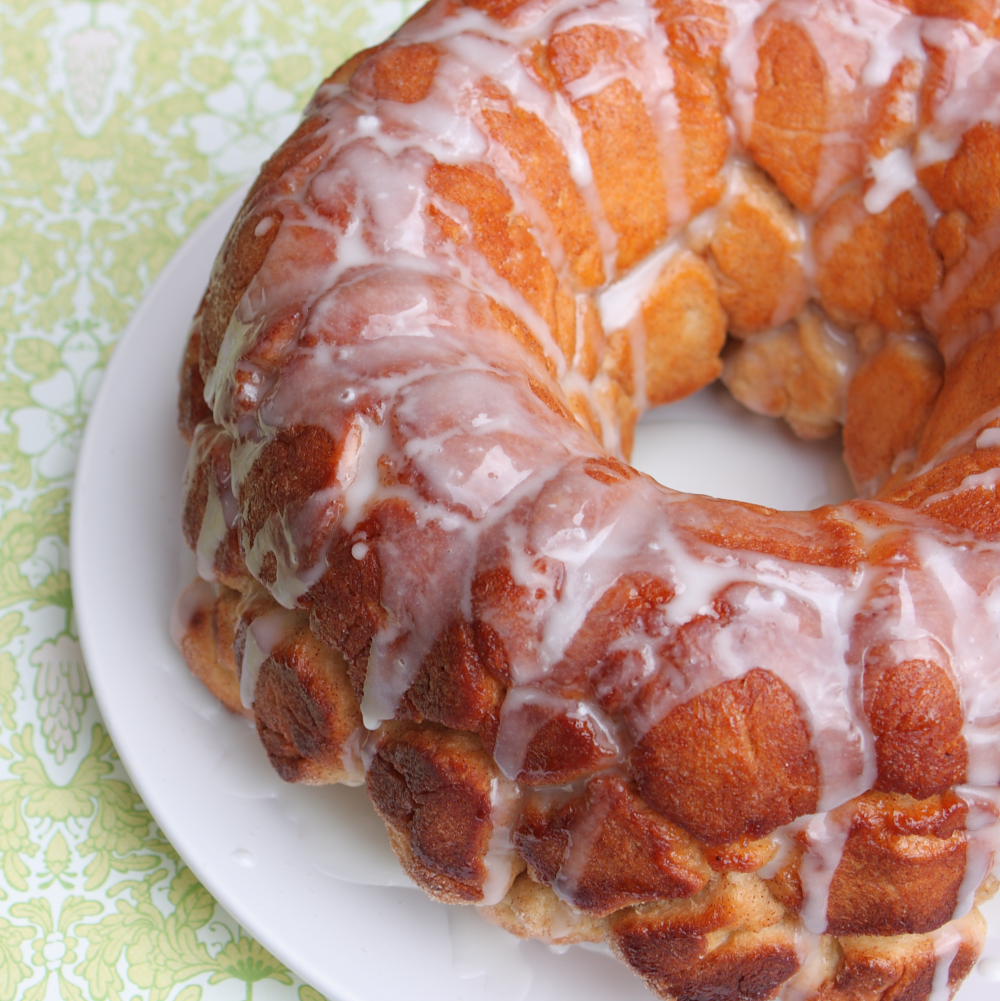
<point>966,584</point>
<point>947,942</point>
<point>892,174</point>
<point>621,301</point>
<point>263,636</point>
<point>983,843</point>
<point>741,58</point>
<point>982,246</point>
<point>213,530</point>
<point>826,835</point>
<point>972,71</point>
<point>540,707</point>
<point>193,599</point>
<point>500,856</point>
<point>813,969</point>
<point>580,846</point>
<point>356,755</point>
<point>986,480</point>
<point>965,440</point>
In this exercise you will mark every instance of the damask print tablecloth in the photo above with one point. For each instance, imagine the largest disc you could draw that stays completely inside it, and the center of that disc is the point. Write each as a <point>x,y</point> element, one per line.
<point>123,125</point>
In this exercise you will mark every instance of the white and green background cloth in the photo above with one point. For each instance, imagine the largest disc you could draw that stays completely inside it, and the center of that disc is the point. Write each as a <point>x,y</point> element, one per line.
<point>122,125</point>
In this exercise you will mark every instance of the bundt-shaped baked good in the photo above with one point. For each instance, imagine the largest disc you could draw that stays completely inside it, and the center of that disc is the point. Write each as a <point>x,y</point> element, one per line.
<point>755,751</point>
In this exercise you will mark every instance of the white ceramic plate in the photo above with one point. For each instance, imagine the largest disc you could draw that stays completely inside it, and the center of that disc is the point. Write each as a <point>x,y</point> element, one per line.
<point>306,870</point>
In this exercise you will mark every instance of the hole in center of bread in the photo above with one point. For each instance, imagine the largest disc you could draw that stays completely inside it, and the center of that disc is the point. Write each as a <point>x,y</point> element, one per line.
<point>710,444</point>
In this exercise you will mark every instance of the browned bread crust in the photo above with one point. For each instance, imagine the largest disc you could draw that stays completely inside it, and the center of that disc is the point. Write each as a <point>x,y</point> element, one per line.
<point>752,750</point>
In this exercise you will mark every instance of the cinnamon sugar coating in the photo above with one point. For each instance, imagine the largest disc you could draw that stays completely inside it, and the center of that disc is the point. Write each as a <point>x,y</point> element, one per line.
<point>753,751</point>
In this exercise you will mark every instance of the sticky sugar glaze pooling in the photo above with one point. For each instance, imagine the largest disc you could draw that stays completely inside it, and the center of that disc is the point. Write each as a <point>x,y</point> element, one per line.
<point>438,316</point>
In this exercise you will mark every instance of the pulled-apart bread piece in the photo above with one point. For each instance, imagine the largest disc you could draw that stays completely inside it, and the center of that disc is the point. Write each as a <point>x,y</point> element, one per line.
<point>754,751</point>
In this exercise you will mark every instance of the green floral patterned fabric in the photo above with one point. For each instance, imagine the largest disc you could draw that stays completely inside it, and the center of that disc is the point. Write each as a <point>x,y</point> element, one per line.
<point>123,124</point>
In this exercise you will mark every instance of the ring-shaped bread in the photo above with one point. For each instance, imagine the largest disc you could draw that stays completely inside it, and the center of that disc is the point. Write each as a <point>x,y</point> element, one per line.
<point>754,750</point>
